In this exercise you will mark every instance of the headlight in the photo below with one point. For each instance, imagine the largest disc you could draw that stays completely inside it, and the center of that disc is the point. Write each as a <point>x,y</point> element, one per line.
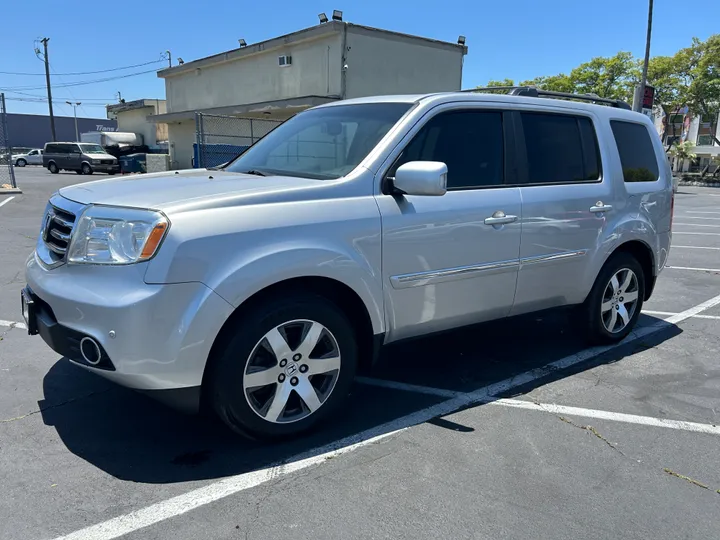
<point>111,235</point>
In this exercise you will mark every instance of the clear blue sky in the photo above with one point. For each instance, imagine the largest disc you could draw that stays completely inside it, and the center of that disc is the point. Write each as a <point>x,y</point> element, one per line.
<point>518,39</point>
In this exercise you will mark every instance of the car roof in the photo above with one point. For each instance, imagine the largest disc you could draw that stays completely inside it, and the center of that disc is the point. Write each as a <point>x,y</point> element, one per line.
<point>483,97</point>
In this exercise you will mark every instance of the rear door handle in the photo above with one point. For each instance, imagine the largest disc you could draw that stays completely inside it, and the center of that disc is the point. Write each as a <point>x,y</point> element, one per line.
<point>500,218</point>
<point>600,207</point>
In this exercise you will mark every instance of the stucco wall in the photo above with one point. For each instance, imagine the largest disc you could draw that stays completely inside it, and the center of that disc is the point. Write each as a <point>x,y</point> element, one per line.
<point>380,63</point>
<point>258,77</point>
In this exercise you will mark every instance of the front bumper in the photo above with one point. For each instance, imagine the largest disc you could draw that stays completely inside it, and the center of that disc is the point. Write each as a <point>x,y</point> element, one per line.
<point>156,337</point>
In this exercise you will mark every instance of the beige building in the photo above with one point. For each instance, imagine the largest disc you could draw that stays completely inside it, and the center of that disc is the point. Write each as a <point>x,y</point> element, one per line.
<point>277,78</point>
<point>132,117</point>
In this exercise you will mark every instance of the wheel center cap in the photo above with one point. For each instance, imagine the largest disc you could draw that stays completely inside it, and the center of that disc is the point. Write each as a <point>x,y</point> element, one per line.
<point>291,369</point>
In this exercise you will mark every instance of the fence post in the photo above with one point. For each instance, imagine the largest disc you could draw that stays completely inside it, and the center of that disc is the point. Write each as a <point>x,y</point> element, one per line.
<point>252,138</point>
<point>199,140</point>
<point>5,140</point>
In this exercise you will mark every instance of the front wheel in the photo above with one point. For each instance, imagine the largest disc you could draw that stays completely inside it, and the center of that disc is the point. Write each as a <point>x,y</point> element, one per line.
<point>86,169</point>
<point>20,163</point>
<point>614,304</point>
<point>288,365</point>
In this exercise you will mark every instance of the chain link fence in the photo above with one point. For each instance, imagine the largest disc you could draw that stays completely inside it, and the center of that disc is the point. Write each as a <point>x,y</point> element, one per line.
<point>221,138</point>
<point>7,173</point>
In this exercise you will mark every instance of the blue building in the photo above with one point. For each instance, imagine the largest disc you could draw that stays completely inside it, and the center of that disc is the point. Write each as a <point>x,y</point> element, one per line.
<point>33,130</point>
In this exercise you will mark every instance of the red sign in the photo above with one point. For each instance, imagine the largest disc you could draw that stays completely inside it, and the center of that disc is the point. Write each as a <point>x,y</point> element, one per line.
<point>649,97</point>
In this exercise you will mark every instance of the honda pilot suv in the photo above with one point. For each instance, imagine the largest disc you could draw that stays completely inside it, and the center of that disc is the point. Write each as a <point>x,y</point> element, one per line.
<point>259,289</point>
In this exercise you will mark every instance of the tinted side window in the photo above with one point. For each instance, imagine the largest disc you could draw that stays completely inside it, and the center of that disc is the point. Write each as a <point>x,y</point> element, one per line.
<point>637,154</point>
<point>560,148</point>
<point>470,143</point>
<point>51,148</point>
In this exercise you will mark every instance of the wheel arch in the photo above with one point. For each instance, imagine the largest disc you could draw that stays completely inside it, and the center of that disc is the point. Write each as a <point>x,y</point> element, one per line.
<point>643,253</point>
<point>341,294</point>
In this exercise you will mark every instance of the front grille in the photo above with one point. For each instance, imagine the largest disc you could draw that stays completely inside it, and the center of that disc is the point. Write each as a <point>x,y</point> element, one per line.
<point>58,228</point>
<point>106,161</point>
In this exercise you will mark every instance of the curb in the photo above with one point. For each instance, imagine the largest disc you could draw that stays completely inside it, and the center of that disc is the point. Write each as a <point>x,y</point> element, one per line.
<point>699,184</point>
<point>3,191</point>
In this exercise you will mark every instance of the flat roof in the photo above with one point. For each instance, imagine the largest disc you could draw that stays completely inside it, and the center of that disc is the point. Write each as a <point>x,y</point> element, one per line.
<point>313,32</point>
<point>131,105</point>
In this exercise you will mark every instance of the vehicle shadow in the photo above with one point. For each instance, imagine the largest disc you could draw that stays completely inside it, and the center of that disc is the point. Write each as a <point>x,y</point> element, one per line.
<point>131,437</point>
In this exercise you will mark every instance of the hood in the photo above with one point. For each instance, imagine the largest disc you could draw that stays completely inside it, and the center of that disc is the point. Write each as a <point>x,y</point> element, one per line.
<point>192,189</point>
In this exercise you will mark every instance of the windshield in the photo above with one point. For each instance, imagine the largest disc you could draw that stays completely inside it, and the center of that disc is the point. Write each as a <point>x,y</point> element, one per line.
<point>92,149</point>
<point>323,143</point>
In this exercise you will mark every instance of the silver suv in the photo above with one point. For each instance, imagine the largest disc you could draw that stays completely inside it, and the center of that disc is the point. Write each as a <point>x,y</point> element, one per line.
<point>259,289</point>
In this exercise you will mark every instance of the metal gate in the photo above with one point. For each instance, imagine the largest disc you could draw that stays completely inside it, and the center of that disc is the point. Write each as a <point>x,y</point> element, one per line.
<point>218,139</point>
<point>7,173</point>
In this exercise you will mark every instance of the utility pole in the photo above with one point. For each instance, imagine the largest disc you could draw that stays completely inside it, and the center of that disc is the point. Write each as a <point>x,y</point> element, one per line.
<point>640,90</point>
<point>44,41</point>
<point>75,106</point>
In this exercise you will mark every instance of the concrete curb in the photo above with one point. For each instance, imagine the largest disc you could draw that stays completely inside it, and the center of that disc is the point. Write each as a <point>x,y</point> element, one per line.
<point>4,191</point>
<point>699,184</point>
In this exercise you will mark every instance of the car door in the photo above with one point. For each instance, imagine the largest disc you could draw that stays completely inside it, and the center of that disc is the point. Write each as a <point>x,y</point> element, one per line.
<point>34,157</point>
<point>452,260</point>
<point>566,204</point>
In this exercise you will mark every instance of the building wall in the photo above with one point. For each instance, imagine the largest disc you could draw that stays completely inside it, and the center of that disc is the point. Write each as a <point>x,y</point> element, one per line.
<point>258,77</point>
<point>33,130</point>
<point>135,121</point>
<point>381,63</point>
<point>182,137</point>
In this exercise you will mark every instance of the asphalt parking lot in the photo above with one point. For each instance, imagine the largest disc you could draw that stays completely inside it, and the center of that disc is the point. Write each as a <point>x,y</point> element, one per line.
<point>508,430</point>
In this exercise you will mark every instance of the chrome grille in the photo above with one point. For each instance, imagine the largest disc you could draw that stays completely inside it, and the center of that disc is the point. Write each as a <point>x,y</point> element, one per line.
<point>57,230</point>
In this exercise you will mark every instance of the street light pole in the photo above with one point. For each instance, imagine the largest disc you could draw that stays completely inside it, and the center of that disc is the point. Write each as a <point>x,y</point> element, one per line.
<point>638,101</point>
<point>75,106</point>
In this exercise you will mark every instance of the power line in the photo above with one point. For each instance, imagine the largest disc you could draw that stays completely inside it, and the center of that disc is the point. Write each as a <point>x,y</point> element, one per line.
<point>57,102</point>
<point>79,83</point>
<point>162,58</point>
<point>64,98</point>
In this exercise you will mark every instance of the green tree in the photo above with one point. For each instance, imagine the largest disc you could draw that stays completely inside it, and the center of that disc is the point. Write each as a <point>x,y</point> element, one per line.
<point>554,83</point>
<point>611,77</point>
<point>681,151</point>
<point>670,89</point>
<point>699,65</point>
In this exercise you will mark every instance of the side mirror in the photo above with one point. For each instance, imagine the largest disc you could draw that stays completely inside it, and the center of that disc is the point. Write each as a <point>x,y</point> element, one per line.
<point>421,178</point>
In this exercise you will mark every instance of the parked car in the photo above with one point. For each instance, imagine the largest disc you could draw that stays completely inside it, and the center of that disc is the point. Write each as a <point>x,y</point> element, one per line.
<point>259,290</point>
<point>83,158</point>
<point>32,157</point>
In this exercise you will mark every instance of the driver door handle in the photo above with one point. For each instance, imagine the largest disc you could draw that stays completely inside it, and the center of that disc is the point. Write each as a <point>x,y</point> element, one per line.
<point>500,218</point>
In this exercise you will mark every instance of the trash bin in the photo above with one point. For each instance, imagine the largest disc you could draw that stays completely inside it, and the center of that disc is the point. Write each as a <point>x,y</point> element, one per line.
<point>133,163</point>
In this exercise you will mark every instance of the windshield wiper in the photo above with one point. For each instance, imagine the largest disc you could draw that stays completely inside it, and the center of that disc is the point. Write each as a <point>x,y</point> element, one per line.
<point>255,172</point>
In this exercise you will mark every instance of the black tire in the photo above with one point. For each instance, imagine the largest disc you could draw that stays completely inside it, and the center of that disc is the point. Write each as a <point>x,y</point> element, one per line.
<point>597,332</point>
<point>53,168</point>
<point>227,367</point>
<point>78,171</point>
<point>20,163</point>
<point>111,173</point>
<point>86,169</point>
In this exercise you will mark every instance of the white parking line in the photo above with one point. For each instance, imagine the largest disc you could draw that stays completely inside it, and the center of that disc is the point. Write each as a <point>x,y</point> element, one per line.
<point>695,247</point>
<point>12,324</point>
<point>691,268</point>
<point>699,233</point>
<point>696,225</point>
<point>139,519</point>
<point>699,217</point>
<point>671,313</point>
<point>7,200</point>
<point>701,212</point>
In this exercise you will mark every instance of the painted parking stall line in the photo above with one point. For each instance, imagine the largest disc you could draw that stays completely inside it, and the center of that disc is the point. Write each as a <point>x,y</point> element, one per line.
<point>695,247</point>
<point>693,268</point>
<point>3,203</point>
<point>671,313</point>
<point>13,324</point>
<point>161,511</point>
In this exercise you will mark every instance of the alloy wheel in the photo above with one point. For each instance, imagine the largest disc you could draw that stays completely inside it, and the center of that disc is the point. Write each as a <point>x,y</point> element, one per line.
<point>292,371</point>
<point>620,300</point>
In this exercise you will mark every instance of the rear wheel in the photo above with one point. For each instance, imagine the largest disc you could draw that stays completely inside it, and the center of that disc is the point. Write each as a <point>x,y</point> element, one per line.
<point>21,163</point>
<point>289,365</point>
<point>614,304</point>
<point>86,169</point>
<point>53,168</point>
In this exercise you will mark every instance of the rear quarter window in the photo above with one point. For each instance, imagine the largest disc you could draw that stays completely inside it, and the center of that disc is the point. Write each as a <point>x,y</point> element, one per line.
<point>637,154</point>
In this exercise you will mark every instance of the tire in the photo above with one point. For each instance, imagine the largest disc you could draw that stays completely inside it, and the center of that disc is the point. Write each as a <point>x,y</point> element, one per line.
<point>111,173</point>
<point>20,163</point>
<point>86,169</point>
<point>78,171</point>
<point>53,168</point>
<point>249,409</point>
<point>604,295</point>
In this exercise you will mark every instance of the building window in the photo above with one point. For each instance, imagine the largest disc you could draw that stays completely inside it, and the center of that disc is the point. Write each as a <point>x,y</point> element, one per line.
<point>284,61</point>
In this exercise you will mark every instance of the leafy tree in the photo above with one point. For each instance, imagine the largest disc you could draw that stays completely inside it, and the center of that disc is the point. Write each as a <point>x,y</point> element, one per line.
<point>670,89</point>
<point>554,83</point>
<point>504,82</point>
<point>700,67</point>
<point>611,77</point>
<point>681,151</point>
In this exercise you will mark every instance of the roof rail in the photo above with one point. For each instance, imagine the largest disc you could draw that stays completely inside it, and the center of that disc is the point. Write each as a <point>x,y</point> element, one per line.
<point>532,91</point>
